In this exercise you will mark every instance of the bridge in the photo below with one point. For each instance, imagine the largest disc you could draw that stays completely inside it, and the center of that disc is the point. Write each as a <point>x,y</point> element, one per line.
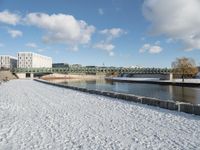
<point>94,70</point>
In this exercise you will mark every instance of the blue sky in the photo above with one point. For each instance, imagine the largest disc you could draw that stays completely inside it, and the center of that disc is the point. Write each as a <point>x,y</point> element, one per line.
<point>150,33</point>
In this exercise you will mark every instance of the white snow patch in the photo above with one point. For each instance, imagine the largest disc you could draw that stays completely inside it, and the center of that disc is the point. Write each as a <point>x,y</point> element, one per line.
<point>39,116</point>
<point>154,79</point>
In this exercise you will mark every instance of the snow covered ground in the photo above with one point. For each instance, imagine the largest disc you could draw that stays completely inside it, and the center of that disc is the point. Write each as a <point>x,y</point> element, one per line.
<point>155,79</point>
<point>38,116</point>
<point>133,79</point>
<point>187,80</point>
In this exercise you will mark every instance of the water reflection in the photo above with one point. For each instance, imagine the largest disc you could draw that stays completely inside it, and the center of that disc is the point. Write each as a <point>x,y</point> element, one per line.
<point>186,94</point>
<point>164,92</point>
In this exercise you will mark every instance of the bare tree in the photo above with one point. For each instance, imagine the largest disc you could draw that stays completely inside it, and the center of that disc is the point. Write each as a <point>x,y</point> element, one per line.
<point>184,67</point>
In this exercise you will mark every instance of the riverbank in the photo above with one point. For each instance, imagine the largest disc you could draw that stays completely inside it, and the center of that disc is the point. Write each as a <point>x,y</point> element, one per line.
<point>177,82</point>
<point>38,116</point>
<point>6,75</point>
<point>71,76</point>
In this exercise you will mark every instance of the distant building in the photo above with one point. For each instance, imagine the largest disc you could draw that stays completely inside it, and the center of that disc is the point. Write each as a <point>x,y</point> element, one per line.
<point>91,66</point>
<point>137,66</point>
<point>8,62</point>
<point>60,65</point>
<point>76,65</point>
<point>33,60</point>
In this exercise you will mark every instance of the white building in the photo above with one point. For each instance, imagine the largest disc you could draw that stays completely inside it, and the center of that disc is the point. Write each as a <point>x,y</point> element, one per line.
<point>33,60</point>
<point>8,62</point>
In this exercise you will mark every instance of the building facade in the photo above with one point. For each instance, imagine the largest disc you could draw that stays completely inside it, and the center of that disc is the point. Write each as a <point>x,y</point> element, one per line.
<point>8,62</point>
<point>33,60</point>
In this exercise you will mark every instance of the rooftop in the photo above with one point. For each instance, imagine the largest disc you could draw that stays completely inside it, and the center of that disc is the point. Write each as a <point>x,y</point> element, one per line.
<point>34,54</point>
<point>8,56</point>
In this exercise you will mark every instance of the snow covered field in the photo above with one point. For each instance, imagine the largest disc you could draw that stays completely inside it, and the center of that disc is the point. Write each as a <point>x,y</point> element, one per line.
<point>38,116</point>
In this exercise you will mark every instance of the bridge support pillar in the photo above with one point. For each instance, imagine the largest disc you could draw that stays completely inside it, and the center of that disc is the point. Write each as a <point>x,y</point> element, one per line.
<point>21,75</point>
<point>32,75</point>
<point>171,76</point>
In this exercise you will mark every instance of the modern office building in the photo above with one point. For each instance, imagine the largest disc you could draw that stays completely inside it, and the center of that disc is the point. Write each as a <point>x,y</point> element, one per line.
<point>8,62</point>
<point>33,60</point>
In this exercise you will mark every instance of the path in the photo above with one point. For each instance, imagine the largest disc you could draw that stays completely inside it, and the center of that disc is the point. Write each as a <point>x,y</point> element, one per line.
<point>38,116</point>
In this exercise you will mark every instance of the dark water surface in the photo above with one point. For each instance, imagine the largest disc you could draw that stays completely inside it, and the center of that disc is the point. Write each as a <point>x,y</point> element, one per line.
<point>163,92</point>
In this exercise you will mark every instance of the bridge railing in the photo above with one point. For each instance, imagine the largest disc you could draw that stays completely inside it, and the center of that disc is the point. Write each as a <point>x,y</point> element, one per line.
<point>94,70</point>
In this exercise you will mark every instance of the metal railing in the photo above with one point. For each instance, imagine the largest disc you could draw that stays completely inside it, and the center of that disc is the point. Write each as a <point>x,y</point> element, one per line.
<point>104,70</point>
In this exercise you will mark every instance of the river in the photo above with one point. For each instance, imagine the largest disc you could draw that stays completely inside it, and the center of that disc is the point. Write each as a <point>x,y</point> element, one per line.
<point>163,92</point>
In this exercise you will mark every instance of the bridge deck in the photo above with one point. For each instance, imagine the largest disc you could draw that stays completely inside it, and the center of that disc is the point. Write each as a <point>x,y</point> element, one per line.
<point>94,70</point>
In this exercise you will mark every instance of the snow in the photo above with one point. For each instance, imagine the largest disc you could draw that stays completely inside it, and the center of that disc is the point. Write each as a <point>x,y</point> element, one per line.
<point>39,116</point>
<point>134,79</point>
<point>186,80</point>
<point>154,79</point>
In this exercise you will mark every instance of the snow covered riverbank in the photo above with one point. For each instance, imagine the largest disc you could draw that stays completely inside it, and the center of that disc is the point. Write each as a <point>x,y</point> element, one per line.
<point>176,82</point>
<point>38,116</point>
<point>154,79</point>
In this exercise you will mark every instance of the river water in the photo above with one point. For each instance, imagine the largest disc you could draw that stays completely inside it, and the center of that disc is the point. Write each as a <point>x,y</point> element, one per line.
<point>163,92</point>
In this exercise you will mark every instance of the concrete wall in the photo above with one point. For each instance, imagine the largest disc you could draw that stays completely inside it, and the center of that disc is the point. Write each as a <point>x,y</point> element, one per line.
<point>21,75</point>
<point>24,75</point>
